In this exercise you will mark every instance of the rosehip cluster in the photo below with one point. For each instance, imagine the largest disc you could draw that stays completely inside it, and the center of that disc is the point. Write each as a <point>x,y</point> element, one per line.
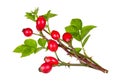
<point>49,63</point>
<point>52,43</point>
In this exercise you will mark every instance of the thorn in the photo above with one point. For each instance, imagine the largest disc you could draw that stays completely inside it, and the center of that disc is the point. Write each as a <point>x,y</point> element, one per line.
<point>68,64</point>
<point>91,57</point>
<point>69,54</point>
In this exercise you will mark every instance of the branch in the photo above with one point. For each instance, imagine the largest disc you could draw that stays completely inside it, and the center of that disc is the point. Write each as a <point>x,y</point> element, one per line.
<point>84,61</point>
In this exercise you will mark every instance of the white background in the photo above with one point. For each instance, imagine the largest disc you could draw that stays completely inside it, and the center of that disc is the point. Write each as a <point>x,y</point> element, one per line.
<point>103,44</point>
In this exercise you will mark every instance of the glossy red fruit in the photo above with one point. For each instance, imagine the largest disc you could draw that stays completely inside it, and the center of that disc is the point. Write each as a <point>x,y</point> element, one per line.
<point>52,45</point>
<point>55,35</point>
<point>40,23</point>
<point>27,32</point>
<point>51,60</point>
<point>67,37</point>
<point>45,68</point>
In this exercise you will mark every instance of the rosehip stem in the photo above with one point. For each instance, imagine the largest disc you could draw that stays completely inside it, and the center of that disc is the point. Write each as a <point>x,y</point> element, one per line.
<point>48,26</point>
<point>44,36</point>
<point>46,31</point>
<point>75,53</point>
<point>58,57</point>
<point>37,34</point>
<point>70,64</point>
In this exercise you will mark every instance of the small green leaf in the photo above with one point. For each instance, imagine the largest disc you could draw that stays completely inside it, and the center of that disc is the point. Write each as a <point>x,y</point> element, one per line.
<point>27,51</point>
<point>77,37</point>
<point>85,30</point>
<point>42,42</point>
<point>72,29</point>
<point>19,49</point>
<point>30,43</point>
<point>49,15</point>
<point>85,40</point>
<point>30,16</point>
<point>35,12</point>
<point>77,23</point>
<point>78,50</point>
<point>38,49</point>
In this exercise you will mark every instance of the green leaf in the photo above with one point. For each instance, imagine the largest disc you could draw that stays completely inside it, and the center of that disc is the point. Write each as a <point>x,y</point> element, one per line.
<point>27,51</point>
<point>19,49</point>
<point>42,42</point>
<point>32,15</point>
<point>35,12</point>
<point>77,23</point>
<point>49,15</point>
<point>85,40</point>
<point>77,37</point>
<point>78,50</point>
<point>85,30</point>
<point>71,29</point>
<point>30,43</point>
<point>38,49</point>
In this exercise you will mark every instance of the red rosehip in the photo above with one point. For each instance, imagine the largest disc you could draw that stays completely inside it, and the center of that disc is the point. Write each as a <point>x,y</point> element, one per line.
<point>40,23</point>
<point>27,32</point>
<point>67,37</point>
<point>45,68</point>
<point>52,45</point>
<point>55,35</point>
<point>51,60</point>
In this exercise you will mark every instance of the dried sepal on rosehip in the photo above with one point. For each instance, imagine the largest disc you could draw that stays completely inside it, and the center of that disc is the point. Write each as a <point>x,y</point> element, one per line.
<point>27,32</point>
<point>52,45</point>
<point>55,35</point>
<point>51,60</point>
<point>67,37</point>
<point>45,68</point>
<point>40,23</point>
